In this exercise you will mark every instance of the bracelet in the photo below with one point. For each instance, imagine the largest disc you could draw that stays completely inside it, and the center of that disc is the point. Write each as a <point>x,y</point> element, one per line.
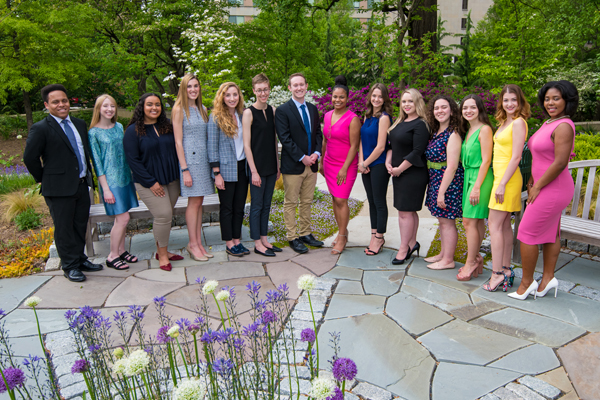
<point>185,169</point>
<point>530,185</point>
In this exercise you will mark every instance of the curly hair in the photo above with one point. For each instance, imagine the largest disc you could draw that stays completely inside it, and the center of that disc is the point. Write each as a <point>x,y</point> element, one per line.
<point>163,124</point>
<point>482,117</point>
<point>434,124</point>
<point>522,111</point>
<point>220,112</point>
<point>387,103</point>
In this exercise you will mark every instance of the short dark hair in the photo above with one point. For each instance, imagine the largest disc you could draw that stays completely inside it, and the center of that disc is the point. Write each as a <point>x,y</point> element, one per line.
<point>52,88</point>
<point>567,90</point>
<point>295,75</point>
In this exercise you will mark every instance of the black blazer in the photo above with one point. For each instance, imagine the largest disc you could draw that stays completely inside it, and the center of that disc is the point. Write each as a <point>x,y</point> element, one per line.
<point>52,161</point>
<point>293,137</point>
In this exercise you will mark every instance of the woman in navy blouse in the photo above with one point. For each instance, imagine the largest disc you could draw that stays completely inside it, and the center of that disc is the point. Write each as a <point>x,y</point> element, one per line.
<point>371,162</point>
<point>149,146</point>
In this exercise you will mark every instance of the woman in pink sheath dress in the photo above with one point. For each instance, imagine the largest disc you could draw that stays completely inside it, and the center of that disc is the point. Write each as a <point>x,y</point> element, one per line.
<point>550,188</point>
<point>341,138</point>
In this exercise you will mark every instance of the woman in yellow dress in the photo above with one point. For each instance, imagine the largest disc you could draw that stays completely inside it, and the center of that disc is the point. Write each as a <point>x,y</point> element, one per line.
<point>511,113</point>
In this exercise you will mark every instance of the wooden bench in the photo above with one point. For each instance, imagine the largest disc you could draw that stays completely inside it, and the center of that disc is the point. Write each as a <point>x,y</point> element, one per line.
<point>98,214</point>
<point>573,226</point>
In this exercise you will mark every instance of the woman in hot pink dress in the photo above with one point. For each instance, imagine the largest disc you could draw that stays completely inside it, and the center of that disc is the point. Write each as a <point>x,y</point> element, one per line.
<point>341,139</point>
<point>550,188</point>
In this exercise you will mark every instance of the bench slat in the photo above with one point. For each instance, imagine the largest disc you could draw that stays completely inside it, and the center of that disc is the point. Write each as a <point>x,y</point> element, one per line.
<point>588,193</point>
<point>577,192</point>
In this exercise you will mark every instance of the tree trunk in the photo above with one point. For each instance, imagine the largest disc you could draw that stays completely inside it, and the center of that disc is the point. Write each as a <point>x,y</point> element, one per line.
<point>424,23</point>
<point>141,86</point>
<point>28,110</point>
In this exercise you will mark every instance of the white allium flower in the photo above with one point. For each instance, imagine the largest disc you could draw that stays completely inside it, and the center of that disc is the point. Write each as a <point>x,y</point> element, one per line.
<point>322,388</point>
<point>19,136</point>
<point>173,331</point>
<point>209,287</point>
<point>120,366</point>
<point>189,389</point>
<point>306,282</point>
<point>223,295</point>
<point>32,301</point>
<point>137,362</point>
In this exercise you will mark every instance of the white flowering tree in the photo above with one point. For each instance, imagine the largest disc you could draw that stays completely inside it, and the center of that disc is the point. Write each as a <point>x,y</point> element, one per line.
<point>280,94</point>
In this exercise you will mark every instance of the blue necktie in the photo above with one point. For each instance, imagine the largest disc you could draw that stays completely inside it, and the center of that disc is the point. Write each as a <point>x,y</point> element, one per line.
<point>306,125</point>
<point>71,135</point>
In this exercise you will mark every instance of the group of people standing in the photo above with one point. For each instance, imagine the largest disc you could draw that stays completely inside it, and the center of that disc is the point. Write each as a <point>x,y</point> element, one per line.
<point>443,151</point>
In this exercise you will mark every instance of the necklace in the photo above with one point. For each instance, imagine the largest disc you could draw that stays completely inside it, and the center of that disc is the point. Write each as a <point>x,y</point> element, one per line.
<point>556,119</point>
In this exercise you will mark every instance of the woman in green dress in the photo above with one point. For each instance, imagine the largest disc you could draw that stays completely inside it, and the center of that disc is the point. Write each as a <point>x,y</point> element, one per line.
<point>476,157</point>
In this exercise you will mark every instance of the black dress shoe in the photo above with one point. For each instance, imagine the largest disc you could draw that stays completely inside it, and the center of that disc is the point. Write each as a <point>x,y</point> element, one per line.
<point>311,241</point>
<point>74,275</point>
<point>244,249</point>
<point>276,249</point>
<point>88,266</point>
<point>268,253</point>
<point>298,246</point>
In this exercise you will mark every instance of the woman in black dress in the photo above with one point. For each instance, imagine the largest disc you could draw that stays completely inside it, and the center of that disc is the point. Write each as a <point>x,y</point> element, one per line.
<point>406,162</point>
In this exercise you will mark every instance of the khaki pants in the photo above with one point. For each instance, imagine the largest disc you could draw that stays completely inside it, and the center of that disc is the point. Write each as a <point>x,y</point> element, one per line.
<point>161,209</point>
<point>298,189</point>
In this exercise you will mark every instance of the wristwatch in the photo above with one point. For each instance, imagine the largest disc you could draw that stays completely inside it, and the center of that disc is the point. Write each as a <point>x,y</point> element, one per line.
<point>185,169</point>
<point>217,173</point>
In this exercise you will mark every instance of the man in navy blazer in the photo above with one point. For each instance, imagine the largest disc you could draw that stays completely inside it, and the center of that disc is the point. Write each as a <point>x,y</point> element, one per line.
<point>57,154</point>
<point>299,131</point>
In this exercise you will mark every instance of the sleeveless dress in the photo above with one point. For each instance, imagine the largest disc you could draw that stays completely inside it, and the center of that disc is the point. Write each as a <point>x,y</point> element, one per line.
<point>541,219</point>
<point>470,156</point>
<point>262,141</point>
<point>196,156</point>
<point>436,152</point>
<point>109,160</point>
<point>503,142</point>
<point>338,146</point>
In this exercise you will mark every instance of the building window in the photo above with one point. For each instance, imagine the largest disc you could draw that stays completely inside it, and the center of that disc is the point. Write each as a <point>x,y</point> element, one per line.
<point>236,19</point>
<point>462,41</point>
<point>465,4</point>
<point>354,4</point>
<point>236,2</point>
<point>463,23</point>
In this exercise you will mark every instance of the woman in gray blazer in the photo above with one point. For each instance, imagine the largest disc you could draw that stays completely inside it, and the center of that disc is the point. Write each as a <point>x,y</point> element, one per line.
<point>228,162</point>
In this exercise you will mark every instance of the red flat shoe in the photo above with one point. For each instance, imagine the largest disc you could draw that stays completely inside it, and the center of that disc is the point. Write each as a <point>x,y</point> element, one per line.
<point>174,257</point>
<point>167,267</point>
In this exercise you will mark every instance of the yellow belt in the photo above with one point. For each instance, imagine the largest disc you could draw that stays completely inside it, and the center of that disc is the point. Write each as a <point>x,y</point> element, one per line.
<point>436,165</point>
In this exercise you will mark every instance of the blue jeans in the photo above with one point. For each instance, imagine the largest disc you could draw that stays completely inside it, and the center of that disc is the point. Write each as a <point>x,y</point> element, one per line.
<point>260,206</point>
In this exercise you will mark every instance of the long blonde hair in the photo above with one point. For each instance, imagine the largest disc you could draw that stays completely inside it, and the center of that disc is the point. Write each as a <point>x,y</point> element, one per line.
<point>98,106</point>
<point>182,97</point>
<point>420,107</point>
<point>221,113</point>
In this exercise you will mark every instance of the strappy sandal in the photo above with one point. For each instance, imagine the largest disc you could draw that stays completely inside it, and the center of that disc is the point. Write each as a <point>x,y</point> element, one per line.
<point>373,253</point>
<point>504,283</point>
<point>130,258</point>
<point>511,277</point>
<point>336,251</point>
<point>117,264</point>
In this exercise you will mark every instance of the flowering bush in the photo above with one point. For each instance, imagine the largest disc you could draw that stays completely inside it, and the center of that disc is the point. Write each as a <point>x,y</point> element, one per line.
<point>27,255</point>
<point>280,95</point>
<point>14,178</point>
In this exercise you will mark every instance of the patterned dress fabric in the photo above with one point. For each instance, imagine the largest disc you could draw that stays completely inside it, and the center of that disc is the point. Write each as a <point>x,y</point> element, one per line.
<point>436,152</point>
<point>109,160</point>
<point>196,156</point>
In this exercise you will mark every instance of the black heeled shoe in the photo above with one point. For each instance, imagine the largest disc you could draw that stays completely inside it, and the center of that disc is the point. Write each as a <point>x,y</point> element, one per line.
<point>416,248</point>
<point>396,261</point>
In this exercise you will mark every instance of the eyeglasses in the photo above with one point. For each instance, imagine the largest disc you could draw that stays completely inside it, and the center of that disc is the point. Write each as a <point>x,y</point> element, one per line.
<point>263,91</point>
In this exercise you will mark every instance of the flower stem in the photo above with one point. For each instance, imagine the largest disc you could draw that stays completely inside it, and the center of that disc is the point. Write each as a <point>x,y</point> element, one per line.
<point>89,386</point>
<point>219,307</point>
<point>228,318</point>
<point>172,367</point>
<point>183,357</point>
<point>315,327</point>
<point>196,352</point>
<point>150,394</point>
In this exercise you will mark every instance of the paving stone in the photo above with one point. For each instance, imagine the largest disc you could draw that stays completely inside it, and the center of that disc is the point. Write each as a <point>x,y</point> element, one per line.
<point>528,326</point>
<point>588,256</point>
<point>563,259</point>
<point>304,386</point>
<point>446,277</point>
<point>558,378</point>
<point>458,341</point>
<point>504,394</point>
<point>177,275</point>
<point>581,360</point>
<point>346,305</point>
<point>351,274</point>
<point>568,307</point>
<point>299,371</point>
<point>581,271</point>
<point>285,255</point>
<point>69,379</point>
<point>440,296</point>
<point>53,251</point>
<point>224,270</point>
<point>460,381</point>
<point>74,390</point>
<point>306,316</point>
<point>212,234</point>
<point>578,246</point>
<point>371,392</point>
<point>349,287</point>
<point>63,364</point>
<point>325,284</point>
<point>318,307</point>
<point>355,257</point>
<point>220,257</point>
<point>141,265</point>
<point>139,291</point>
<point>414,315</point>
<point>22,322</point>
<point>472,311</point>
<point>319,261</point>
<point>24,346</point>
<point>565,286</point>
<point>534,359</point>
<point>384,283</point>
<point>287,272</point>
<point>587,292</point>
<point>60,343</point>
<point>53,264</point>
<point>490,396</point>
<point>316,296</point>
<point>13,291</point>
<point>540,387</point>
<point>385,354</point>
<point>523,392</point>
<point>519,274</point>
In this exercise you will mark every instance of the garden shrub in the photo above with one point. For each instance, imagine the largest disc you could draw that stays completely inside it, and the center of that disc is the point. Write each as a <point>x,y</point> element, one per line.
<point>28,219</point>
<point>20,258</point>
<point>14,178</point>
<point>19,201</point>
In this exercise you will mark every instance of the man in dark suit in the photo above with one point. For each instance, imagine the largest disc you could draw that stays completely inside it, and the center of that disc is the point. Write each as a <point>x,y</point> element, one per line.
<point>57,154</point>
<point>299,131</point>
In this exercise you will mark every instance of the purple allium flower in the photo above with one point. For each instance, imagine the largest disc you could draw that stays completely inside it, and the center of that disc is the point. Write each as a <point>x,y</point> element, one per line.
<point>193,329</point>
<point>161,335</point>
<point>80,366</point>
<point>14,378</point>
<point>308,335</point>
<point>344,369</point>
<point>268,317</point>
<point>338,395</point>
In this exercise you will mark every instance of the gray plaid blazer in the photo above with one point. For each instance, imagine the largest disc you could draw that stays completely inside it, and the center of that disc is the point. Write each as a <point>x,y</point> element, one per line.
<point>221,152</point>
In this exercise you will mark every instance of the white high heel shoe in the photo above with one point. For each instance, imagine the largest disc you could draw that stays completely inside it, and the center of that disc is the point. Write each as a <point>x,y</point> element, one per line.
<point>531,289</point>
<point>553,284</point>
